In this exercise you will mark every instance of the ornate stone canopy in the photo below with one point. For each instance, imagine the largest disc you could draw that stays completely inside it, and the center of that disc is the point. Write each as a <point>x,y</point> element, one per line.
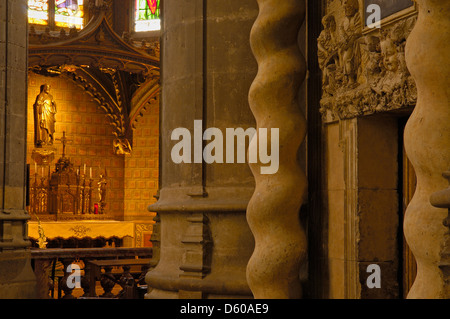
<point>122,76</point>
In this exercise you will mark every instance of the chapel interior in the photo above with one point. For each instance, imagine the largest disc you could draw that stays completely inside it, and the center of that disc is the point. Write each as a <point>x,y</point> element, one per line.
<point>93,91</point>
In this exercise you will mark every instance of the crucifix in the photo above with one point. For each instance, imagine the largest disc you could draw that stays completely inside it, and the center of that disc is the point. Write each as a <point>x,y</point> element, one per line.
<point>64,140</point>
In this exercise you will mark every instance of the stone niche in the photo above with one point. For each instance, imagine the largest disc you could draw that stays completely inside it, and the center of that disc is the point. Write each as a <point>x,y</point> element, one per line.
<point>88,150</point>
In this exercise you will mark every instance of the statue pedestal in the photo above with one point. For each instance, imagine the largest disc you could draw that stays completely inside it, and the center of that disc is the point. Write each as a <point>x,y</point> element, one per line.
<point>44,155</point>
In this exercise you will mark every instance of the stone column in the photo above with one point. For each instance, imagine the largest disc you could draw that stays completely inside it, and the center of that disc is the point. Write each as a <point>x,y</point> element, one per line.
<point>17,279</point>
<point>441,199</point>
<point>273,212</point>
<point>427,144</point>
<point>207,70</point>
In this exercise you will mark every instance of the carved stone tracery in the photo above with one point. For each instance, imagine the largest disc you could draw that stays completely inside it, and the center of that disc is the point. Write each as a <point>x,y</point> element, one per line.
<point>363,71</point>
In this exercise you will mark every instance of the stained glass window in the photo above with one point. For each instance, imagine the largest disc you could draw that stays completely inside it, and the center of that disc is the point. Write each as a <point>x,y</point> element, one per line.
<point>66,13</point>
<point>38,12</point>
<point>69,13</point>
<point>147,15</point>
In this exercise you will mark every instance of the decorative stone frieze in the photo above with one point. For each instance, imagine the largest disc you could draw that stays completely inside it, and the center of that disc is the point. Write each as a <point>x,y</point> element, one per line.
<point>363,70</point>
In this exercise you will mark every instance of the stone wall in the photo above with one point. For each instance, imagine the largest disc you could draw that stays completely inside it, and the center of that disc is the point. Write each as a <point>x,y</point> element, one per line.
<point>141,166</point>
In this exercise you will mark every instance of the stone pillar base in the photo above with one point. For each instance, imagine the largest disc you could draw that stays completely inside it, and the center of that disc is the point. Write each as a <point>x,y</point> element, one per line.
<point>17,280</point>
<point>203,255</point>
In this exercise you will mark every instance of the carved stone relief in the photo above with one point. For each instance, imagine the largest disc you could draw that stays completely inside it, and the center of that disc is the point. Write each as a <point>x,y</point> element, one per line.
<point>363,72</point>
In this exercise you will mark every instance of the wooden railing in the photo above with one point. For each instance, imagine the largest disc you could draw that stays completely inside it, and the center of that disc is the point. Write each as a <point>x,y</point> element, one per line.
<point>98,268</point>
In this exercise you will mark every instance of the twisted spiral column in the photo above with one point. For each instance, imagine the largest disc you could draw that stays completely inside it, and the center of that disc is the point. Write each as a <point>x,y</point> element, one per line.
<point>427,144</point>
<point>273,211</point>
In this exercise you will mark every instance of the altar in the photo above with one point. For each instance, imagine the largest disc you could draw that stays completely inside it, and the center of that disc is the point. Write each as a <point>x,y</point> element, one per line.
<point>78,200</point>
<point>128,233</point>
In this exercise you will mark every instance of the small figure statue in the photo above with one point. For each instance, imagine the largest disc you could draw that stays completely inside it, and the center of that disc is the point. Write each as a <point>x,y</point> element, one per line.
<point>327,54</point>
<point>326,42</point>
<point>392,76</point>
<point>390,55</point>
<point>42,241</point>
<point>373,59</point>
<point>102,191</point>
<point>44,117</point>
<point>121,146</point>
<point>350,32</point>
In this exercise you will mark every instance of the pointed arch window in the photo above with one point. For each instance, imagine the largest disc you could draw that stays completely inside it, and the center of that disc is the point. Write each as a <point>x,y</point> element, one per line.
<point>56,13</point>
<point>147,15</point>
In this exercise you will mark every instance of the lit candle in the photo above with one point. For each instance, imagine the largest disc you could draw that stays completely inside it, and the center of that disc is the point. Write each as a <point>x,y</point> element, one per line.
<point>84,172</point>
<point>42,170</point>
<point>90,172</point>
